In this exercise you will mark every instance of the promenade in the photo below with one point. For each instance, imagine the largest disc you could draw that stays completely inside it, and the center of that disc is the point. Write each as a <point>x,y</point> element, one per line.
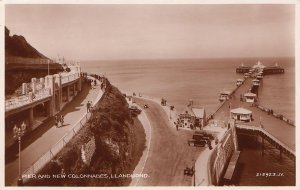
<point>43,138</point>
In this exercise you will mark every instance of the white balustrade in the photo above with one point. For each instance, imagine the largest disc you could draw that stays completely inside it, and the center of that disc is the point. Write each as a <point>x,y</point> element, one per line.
<point>40,91</point>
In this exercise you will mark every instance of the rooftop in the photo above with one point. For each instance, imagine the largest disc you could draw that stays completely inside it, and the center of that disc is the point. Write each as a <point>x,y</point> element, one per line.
<point>241,111</point>
<point>249,94</point>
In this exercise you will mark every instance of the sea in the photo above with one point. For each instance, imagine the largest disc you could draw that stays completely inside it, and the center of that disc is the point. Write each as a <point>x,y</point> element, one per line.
<point>201,80</point>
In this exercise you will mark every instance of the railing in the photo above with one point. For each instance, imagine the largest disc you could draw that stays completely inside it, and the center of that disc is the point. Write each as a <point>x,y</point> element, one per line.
<point>277,115</point>
<point>16,102</point>
<point>40,92</point>
<point>50,154</point>
<point>69,78</point>
<point>25,99</point>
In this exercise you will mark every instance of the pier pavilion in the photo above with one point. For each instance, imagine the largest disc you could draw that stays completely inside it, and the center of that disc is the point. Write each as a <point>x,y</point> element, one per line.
<point>250,97</point>
<point>241,114</point>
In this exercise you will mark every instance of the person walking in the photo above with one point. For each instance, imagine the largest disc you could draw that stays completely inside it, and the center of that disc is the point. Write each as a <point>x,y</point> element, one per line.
<point>88,106</point>
<point>23,126</point>
<point>62,120</point>
<point>56,120</point>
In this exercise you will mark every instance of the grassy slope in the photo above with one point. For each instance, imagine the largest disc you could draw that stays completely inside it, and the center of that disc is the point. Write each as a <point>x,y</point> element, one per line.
<point>111,121</point>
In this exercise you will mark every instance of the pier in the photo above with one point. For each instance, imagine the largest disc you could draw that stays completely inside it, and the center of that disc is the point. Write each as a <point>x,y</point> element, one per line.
<point>272,127</point>
<point>276,69</point>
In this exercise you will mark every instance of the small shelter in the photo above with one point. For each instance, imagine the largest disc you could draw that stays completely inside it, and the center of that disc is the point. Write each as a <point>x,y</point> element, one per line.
<point>255,82</point>
<point>246,75</point>
<point>250,97</point>
<point>239,82</point>
<point>241,114</point>
<point>224,95</point>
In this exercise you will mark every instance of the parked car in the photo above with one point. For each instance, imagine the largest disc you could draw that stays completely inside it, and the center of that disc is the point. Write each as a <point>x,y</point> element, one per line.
<point>205,134</point>
<point>134,110</point>
<point>194,142</point>
<point>146,106</point>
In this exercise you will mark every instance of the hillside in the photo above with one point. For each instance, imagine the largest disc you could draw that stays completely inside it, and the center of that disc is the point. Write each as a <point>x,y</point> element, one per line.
<point>17,46</point>
<point>23,62</point>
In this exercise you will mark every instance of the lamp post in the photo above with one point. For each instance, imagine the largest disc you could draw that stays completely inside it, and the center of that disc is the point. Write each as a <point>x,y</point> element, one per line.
<point>48,61</point>
<point>18,133</point>
<point>194,172</point>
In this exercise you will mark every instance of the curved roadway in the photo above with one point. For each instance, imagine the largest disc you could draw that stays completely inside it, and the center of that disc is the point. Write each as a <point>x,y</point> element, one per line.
<point>169,153</point>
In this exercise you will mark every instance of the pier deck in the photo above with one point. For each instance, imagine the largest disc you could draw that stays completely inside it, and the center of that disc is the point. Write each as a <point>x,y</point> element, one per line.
<point>278,128</point>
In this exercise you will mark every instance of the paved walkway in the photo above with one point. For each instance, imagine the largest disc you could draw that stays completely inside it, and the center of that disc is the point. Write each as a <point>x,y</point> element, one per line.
<point>43,138</point>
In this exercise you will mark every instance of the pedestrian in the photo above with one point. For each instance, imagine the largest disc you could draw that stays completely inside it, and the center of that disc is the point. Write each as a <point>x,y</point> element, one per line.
<point>62,120</point>
<point>177,127</point>
<point>56,120</point>
<point>88,105</point>
<point>23,126</point>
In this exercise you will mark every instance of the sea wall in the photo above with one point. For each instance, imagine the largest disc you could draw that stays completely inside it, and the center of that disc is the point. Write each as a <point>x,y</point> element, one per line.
<point>220,156</point>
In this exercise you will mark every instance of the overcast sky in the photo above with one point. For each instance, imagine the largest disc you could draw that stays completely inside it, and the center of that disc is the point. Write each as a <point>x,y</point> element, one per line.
<point>93,32</point>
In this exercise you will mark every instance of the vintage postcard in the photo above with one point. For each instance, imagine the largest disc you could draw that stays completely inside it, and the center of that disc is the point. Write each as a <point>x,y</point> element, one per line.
<point>103,94</point>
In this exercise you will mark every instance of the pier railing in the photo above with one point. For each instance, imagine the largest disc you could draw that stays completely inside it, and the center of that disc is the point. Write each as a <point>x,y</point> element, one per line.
<point>277,115</point>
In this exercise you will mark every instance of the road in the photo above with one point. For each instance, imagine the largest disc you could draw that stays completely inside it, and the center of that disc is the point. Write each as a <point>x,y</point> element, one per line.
<point>169,152</point>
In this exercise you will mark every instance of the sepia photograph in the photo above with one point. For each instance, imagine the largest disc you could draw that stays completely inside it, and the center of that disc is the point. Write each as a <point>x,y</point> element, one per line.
<point>155,95</point>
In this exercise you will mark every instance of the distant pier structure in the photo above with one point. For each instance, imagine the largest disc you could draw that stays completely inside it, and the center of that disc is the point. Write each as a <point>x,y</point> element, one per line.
<point>276,69</point>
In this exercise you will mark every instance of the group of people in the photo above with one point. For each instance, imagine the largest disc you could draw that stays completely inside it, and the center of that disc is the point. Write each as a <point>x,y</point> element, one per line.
<point>92,82</point>
<point>59,119</point>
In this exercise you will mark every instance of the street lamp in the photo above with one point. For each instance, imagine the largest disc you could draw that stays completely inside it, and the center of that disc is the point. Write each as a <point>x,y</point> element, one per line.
<point>48,61</point>
<point>18,133</point>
